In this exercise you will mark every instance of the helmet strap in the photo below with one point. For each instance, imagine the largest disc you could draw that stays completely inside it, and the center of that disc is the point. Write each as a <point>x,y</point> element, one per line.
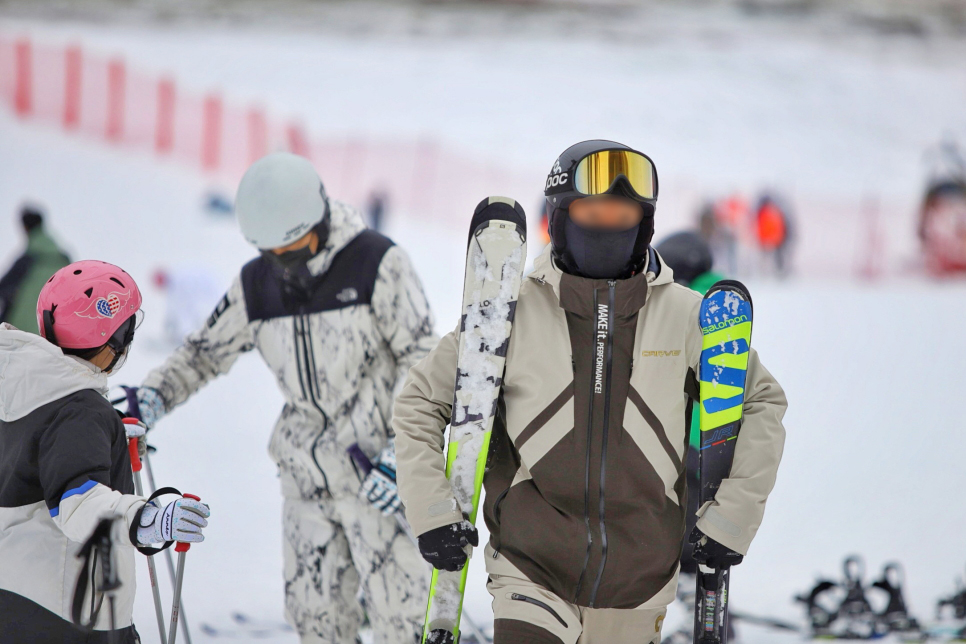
<point>323,228</point>
<point>48,316</point>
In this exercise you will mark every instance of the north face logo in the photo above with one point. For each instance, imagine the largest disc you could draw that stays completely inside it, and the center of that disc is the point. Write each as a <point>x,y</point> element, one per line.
<point>347,295</point>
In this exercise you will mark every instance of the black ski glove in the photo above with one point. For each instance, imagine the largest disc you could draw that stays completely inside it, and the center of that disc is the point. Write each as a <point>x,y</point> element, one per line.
<point>711,553</point>
<point>445,547</point>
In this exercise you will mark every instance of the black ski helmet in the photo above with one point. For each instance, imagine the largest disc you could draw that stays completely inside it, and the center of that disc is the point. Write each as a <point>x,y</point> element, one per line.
<point>561,190</point>
<point>688,255</point>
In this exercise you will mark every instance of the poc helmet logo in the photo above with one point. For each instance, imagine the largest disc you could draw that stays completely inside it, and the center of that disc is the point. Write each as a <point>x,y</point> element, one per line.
<point>557,176</point>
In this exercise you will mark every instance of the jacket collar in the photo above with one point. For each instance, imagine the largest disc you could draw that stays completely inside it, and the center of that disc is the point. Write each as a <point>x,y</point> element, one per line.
<point>546,272</point>
<point>345,224</point>
<point>577,295</point>
<point>34,372</point>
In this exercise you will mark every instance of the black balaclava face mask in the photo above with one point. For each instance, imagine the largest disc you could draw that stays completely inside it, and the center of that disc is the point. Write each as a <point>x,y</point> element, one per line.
<point>600,253</point>
<point>290,260</point>
<point>292,266</point>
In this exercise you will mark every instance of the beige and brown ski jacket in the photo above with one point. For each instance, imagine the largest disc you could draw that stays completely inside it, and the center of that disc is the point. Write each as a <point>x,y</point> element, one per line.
<point>585,485</point>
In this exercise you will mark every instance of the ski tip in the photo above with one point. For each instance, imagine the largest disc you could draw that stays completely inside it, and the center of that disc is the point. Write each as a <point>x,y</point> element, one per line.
<point>729,285</point>
<point>502,209</point>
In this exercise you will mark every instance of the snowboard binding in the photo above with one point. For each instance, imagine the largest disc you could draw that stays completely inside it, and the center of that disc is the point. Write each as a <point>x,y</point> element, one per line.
<point>842,610</point>
<point>956,604</point>
<point>895,615</point>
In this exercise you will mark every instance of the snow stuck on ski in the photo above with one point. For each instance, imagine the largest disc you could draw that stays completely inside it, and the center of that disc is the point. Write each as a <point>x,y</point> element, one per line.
<point>494,271</point>
<point>486,329</point>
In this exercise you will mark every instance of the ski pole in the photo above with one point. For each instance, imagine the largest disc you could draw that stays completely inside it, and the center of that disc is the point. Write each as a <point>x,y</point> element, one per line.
<point>167,553</point>
<point>182,549</point>
<point>132,446</point>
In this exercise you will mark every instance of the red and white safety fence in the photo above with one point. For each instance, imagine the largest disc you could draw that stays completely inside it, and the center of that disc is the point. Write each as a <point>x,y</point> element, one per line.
<point>104,98</point>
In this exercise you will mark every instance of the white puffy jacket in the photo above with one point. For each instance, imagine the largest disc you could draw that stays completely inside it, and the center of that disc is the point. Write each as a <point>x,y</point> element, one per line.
<point>64,465</point>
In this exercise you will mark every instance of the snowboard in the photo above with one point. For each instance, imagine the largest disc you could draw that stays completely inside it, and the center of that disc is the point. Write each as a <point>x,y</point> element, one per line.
<point>725,318</point>
<point>495,257</point>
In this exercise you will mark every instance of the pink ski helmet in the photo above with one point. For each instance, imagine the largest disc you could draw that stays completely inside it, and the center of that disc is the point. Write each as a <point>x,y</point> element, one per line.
<point>88,304</point>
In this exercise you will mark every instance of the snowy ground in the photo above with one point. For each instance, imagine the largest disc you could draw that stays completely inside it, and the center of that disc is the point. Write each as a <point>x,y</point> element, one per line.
<point>873,458</point>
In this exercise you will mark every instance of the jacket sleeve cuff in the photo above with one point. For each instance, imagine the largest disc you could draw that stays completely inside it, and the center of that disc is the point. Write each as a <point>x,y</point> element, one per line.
<point>135,523</point>
<point>718,527</point>
<point>437,515</point>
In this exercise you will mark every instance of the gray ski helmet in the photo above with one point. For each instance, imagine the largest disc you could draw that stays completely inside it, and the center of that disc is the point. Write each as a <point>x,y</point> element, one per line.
<point>687,254</point>
<point>280,199</point>
<point>563,187</point>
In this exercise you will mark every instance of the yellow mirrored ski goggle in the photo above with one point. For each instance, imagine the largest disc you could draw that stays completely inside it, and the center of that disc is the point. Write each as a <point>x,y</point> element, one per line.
<point>596,172</point>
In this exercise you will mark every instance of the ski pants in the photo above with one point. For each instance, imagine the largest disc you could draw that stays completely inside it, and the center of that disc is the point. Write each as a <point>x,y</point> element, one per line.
<point>527,613</point>
<point>338,551</point>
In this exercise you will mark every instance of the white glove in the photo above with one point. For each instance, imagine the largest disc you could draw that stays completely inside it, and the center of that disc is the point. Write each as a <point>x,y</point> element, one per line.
<point>180,520</point>
<point>138,430</point>
<point>151,405</point>
<point>379,486</point>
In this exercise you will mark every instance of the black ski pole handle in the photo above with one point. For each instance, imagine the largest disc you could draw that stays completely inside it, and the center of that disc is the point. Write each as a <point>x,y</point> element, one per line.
<point>359,458</point>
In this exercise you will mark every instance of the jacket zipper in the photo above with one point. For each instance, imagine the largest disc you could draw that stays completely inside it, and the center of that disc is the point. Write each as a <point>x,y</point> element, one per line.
<point>298,358</point>
<point>611,288</point>
<point>310,344</point>
<point>309,357</point>
<point>590,428</point>
<point>536,602</point>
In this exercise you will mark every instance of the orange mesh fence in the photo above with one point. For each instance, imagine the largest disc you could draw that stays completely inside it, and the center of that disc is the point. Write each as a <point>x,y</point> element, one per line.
<point>102,98</point>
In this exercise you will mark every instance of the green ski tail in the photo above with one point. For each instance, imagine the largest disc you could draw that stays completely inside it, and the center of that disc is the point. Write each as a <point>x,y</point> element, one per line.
<point>454,631</point>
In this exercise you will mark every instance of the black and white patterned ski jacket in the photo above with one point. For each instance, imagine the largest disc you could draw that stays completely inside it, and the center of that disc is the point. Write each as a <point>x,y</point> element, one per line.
<point>337,354</point>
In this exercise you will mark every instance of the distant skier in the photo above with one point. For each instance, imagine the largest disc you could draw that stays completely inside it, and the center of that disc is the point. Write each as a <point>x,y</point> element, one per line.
<point>376,210</point>
<point>585,481</point>
<point>689,256</point>
<point>64,461</point>
<point>942,215</point>
<point>724,223</point>
<point>774,231</point>
<point>21,285</point>
<point>339,316</point>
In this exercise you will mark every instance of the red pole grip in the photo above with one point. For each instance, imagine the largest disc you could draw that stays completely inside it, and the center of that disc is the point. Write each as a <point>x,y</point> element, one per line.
<point>181,546</point>
<point>132,446</point>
